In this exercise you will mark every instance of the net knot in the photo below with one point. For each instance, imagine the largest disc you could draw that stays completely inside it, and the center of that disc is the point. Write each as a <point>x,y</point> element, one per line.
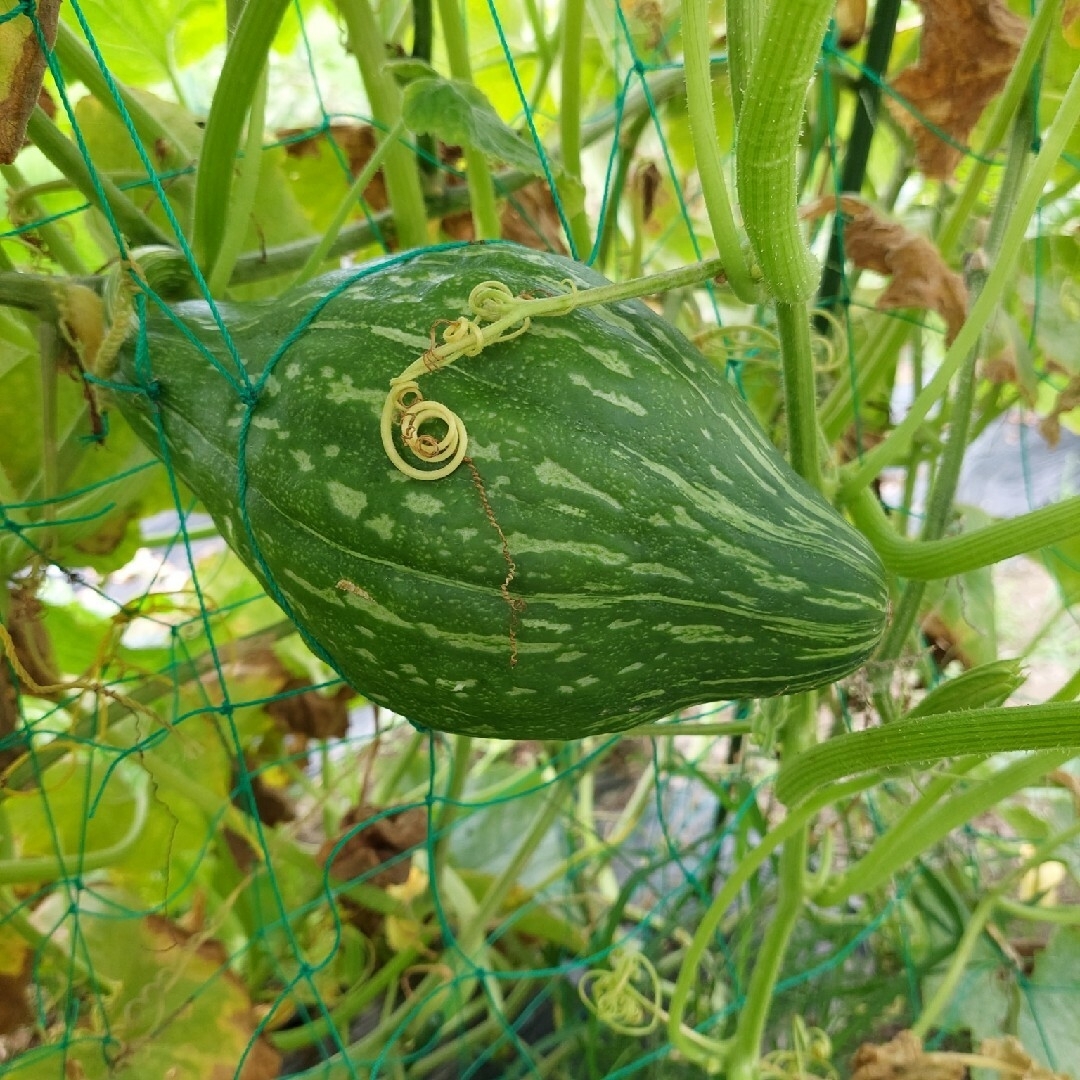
<point>249,396</point>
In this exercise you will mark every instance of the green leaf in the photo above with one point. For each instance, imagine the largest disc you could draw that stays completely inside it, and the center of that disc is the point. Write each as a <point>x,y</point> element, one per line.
<point>1047,1024</point>
<point>459,114</point>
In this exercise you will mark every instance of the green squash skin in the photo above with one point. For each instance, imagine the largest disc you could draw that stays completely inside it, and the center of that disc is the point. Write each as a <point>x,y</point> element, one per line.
<point>665,553</point>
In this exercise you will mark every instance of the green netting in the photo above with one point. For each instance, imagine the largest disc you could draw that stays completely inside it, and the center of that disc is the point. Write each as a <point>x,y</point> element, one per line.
<point>218,860</point>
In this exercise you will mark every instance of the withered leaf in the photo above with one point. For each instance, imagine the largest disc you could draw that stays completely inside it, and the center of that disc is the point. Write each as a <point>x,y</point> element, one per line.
<point>528,217</point>
<point>356,141</point>
<point>1068,398</point>
<point>967,50</point>
<point>920,278</point>
<point>366,847</point>
<point>903,1058</point>
<point>312,713</point>
<point>22,68</point>
<point>1019,1064</point>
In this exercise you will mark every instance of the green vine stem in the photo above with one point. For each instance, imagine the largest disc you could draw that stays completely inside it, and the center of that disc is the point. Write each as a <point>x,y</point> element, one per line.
<point>699,101</point>
<point>921,739</point>
<point>945,993</point>
<point>236,88</point>
<point>99,190</point>
<point>929,820</point>
<point>570,110</point>
<point>399,168</point>
<point>928,560</point>
<point>900,438</point>
<point>485,214</point>
<point>243,198</point>
<point>766,140</point>
<point>946,476</point>
<point>1016,87</point>
<point>745,22</point>
<point>682,1038</point>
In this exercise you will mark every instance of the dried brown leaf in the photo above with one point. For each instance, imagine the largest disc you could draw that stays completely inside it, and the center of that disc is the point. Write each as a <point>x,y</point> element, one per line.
<point>22,68</point>
<point>967,51</point>
<point>920,278</point>
<point>1068,398</point>
<point>1070,23</point>
<point>903,1058</point>
<point>529,217</point>
<point>313,713</point>
<point>369,846</point>
<point>1019,1063</point>
<point>356,141</point>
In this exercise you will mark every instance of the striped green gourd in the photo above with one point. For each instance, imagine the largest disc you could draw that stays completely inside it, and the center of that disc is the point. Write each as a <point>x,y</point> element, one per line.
<point>662,552</point>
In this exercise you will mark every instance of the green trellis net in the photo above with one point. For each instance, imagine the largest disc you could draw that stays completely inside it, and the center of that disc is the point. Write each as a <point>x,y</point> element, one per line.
<point>218,860</point>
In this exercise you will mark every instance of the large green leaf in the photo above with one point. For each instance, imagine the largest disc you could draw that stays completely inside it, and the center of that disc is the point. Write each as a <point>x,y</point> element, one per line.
<point>1047,1024</point>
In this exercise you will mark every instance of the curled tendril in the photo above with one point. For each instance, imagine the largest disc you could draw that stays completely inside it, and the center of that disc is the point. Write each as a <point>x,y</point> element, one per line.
<point>491,300</point>
<point>614,1000</point>
<point>407,409</point>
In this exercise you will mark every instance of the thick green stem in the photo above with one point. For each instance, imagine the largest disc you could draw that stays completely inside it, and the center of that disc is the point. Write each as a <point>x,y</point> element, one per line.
<point>243,198</point>
<point>796,351</point>
<point>236,89</point>
<point>444,821</point>
<point>98,189</point>
<point>767,141</point>
<point>921,740</point>
<point>792,885</point>
<point>928,560</point>
<point>570,110</point>
<point>682,1038</point>
<point>399,168</point>
<point>1000,277</point>
<point>485,214</point>
<point>699,101</point>
<point>745,23</point>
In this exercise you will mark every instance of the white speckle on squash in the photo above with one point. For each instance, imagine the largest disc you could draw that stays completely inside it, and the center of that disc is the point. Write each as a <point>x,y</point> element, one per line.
<point>292,370</point>
<point>409,669</point>
<point>466,534</point>
<point>490,452</point>
<point>587,680</point>
<point>620,401</point>
<point>267,423</point>
<point>328,372</point>
<point>303,460</point>
<point>420,502</point>
<point>623,624</point>
<point>637,665</point>
<point>346,499</point>
<point>518,691</point>
<point>660,570</point>
<point>382,526</point>
<point>568,657</point>
<point>554,627</point>
<point>566,689</point>
<point>331,450</point>
<point>552,474</point>
<point>273,386</point>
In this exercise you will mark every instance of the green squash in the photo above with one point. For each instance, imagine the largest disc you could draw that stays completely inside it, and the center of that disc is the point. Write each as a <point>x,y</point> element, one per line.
<point>621,542</point>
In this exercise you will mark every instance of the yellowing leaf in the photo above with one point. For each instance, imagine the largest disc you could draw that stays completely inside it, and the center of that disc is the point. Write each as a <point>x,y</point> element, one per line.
<point>22,67</point>
<point>1070,23</point>
<point>967,51</point>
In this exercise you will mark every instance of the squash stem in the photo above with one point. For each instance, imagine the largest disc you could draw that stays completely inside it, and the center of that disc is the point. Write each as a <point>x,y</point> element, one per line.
<point>699,101</point>
<point>485,214</point>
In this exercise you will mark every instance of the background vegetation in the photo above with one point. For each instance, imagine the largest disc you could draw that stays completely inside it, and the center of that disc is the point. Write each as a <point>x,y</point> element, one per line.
<point>216,860</point>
